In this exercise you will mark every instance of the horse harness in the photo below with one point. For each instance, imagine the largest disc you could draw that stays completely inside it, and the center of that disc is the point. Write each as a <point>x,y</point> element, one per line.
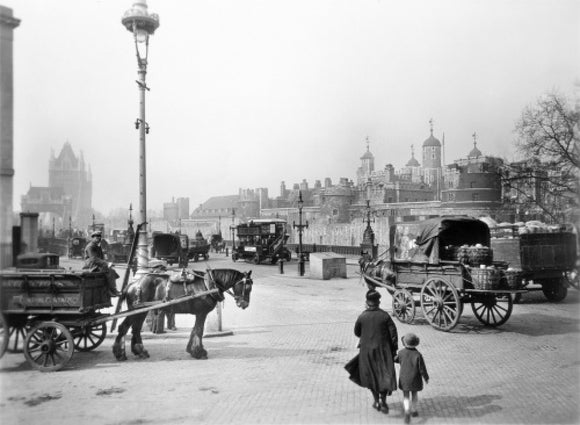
<point>209,283</point>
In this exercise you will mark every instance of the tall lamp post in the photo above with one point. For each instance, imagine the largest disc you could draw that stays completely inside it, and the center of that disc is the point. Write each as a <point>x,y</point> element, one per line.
<point>300,228</point>
<point>142,24</point>
<point>233,227</point>
<point>368,244</point>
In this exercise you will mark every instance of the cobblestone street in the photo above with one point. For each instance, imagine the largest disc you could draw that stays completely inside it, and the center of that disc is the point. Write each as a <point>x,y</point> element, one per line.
<point>283,364</point>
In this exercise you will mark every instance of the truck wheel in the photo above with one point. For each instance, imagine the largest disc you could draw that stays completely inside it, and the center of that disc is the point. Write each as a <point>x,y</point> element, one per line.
<point>256,259</point>
<point>554,290</point>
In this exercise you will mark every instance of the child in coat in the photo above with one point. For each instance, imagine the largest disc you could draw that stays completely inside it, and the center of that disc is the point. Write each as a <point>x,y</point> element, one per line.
<point>411,374</point>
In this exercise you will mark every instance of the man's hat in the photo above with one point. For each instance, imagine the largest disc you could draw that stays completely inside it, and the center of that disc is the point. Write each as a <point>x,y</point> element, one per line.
<point>96,233</point>
<point>373,297</point>
<point>410,340</point>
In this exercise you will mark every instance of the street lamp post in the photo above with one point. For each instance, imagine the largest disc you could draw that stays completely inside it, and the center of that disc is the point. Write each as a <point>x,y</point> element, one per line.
<point>233,227</point>
<point>142,24</point>
<point>368,244</point>
<point>300,228</point>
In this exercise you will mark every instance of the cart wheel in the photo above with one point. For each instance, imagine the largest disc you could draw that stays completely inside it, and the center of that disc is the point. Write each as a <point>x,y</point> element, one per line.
<point>491,309</point>
<point>17,335</point>
<point>48,346</point>
<point>89,337</point>
<point>440,304</point>
<point>404,305</point>
<point>554,289</point>
<point>4,335</point>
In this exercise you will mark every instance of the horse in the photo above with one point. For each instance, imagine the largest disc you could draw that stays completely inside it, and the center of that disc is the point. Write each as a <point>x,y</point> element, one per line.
<point>164,287</point>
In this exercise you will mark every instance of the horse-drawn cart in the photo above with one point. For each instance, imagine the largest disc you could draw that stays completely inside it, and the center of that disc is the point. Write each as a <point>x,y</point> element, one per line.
<point>439,265</point>
<point>198,248</point>
<point>57,311</point>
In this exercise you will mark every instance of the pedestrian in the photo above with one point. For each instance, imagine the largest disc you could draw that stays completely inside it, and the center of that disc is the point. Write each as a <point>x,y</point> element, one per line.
<point>95,262</point>
<point>411,374</point>
<point>373,367</point>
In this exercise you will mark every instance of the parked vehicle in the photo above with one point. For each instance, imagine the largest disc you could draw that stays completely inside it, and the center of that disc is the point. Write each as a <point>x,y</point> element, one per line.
<point>77,247</point>
<point>439,265</point>
<point>167,246</point>
<point>543,255</point>
<point>262,240</point>
<point>217,242</point>
<point>198,248</point>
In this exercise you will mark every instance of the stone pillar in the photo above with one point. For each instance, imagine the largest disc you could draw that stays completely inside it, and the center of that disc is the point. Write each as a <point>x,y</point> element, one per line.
<point>29,229</point>
<point>7,25</point>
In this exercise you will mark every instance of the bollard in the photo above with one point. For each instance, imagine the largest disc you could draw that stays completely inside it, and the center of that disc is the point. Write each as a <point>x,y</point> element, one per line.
<point>281,266</point>
<point>301,268</point>
<point>227,251</point>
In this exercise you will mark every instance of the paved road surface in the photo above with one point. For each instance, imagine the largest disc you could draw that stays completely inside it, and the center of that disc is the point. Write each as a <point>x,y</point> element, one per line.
<point>284,365</point>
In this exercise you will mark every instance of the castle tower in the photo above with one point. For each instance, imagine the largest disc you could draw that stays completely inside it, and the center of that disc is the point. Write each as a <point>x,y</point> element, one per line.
<point>69,173</point>
<point>432,162</point>
<point>367,165</point>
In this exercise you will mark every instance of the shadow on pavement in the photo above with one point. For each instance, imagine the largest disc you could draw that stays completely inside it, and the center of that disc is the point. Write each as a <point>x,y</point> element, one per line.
<point>537,324</point>
<point>459,406</point>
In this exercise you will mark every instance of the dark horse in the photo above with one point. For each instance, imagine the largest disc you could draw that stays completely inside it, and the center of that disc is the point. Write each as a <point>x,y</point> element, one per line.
<point>165,287</point>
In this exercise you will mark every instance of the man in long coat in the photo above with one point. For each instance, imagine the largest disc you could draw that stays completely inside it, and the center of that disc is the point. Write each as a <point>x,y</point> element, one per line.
<point>374,367</point>
<point>95,262</point>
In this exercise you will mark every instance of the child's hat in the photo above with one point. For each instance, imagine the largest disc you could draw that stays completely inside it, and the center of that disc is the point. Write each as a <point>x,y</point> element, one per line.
<point>410,340</point>
<point>373,297</point>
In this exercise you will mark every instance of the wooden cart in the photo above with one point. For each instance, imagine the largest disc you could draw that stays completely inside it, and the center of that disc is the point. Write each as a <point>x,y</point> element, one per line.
<point>424,271</point>
<point>56,311</point>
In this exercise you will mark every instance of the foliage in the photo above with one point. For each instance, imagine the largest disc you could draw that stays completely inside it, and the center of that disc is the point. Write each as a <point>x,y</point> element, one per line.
<point>547,178</point>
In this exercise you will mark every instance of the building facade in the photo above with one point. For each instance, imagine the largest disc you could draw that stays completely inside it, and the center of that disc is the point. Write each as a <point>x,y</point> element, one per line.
<point>69,192</point>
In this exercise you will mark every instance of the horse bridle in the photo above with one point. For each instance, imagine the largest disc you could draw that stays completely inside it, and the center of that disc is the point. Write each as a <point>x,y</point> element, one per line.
<point>243,280</point>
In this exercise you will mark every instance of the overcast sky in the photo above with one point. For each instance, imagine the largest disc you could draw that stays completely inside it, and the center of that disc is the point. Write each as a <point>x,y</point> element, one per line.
<point>248,93</point>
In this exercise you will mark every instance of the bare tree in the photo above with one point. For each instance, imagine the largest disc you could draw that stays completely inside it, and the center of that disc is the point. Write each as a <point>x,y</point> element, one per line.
<point>547,178</point>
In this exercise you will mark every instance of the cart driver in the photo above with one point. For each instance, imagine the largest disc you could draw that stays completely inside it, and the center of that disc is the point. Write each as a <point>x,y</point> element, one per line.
<point>95,262</point>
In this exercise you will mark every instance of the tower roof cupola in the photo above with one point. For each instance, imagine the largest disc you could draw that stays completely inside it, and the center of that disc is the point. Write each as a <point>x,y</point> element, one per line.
<point>475,153</point>
<point>367,154</point>
<point>413,161</point>
<point>431,140</point>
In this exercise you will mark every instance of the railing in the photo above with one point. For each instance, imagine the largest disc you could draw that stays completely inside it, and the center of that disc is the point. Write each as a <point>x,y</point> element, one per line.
<point>337,249</point>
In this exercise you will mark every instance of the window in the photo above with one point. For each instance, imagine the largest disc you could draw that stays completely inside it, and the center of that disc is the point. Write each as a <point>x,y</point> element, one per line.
<point>451,196</point>
<point>475,196</point>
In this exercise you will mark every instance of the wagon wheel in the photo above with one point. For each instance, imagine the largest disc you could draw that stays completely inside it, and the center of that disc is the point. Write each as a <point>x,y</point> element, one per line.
<point>48,346</point>
<point>87,338</point>
<point>554,289</point>
<point>491,309</point>
<point>440,304</point>
<point>17,335</point>
<point>404,305</point>
<point>4,335</point>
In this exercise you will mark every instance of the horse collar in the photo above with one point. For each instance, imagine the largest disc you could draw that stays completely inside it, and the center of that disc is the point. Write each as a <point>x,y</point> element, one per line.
<point>211,284</point>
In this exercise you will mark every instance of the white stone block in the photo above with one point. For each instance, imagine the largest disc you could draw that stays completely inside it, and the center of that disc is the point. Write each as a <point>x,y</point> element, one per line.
<point>326,265</point>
